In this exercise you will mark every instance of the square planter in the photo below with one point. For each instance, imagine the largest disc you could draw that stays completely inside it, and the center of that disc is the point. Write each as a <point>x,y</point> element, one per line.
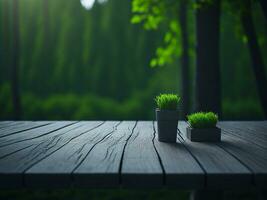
<point>203,134</point>
<point>167,121</point>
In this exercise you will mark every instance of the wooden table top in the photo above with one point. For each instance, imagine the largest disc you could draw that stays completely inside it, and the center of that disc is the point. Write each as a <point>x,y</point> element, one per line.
<point>127,154</point>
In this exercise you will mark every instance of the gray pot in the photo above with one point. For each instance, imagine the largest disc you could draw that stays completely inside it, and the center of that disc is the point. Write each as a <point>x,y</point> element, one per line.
<point>203,134</point>
<point>167,125</point>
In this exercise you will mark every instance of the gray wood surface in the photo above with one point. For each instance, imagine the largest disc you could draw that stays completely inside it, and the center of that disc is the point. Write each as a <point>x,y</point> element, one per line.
<point>105,158</point>
<point>128,154</point>
<point>251,133</point>
<point>33,133</point>
<point>14,166</point>
<point>15,147</point>
<point>222,169</point>
<point>22,126</point>
<point>140,165</point>
<point>4,124</point>
<point>252,156</point>
<point>58,168</point>
<point>181,169</point>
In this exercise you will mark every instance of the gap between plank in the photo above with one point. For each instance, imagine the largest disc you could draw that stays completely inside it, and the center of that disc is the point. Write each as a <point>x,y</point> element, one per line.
<point>39,135</point>
<point>122,156</point>
<point>9,124</point>
<point>182,141</point>
<point>160,161</point>
<point>23,176</point>
<point>237,136</point>
<point>79,164</point>
<point>25,130</point>
<point>16,151</point>
<point>240,161</point>
<point>37,145</point>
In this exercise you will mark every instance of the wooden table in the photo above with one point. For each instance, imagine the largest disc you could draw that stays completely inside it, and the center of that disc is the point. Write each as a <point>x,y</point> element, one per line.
<point>128,154</point>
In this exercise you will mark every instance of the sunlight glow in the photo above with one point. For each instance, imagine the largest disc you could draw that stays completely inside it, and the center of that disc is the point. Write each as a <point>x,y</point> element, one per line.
<point>88,4</point>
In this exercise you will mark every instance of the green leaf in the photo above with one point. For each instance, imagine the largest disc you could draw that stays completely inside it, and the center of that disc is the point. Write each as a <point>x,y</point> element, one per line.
<point>167,37</point>
<point>153,62</point>
<point>136,19</point>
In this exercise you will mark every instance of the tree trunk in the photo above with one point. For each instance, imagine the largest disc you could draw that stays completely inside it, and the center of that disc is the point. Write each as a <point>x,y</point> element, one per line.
<point>5,40</point>
<point>264,7</point>
<point>45,64</point>
<point>46,22</point>
<point>15,62</point>
<point>255,54</point>
<point>184,60</point>
<point>208,83</point>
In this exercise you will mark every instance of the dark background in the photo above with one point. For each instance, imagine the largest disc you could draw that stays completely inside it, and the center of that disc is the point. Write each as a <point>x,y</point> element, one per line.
<point>76,63</point>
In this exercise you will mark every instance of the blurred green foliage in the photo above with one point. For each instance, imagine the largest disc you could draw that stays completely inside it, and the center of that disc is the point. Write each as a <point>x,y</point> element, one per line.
<point>94,64</point>
<point>152,14</point>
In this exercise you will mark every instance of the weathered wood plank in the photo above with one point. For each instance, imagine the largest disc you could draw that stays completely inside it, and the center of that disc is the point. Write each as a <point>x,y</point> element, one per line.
<point>181,169</point>
<point>33,133</point>
<point>249,133</point>
<point>15,147</point>
<point>222,169</point>
<point>259,126</point>
<point>140,165</point>
<point>13,124</point>
<point>58,169</point>
<point>12,167</point>
<point>91,154</point>
<point>4,124</point>
<point>102,165</point>
<point>20,127</point>
<point>254,157</point>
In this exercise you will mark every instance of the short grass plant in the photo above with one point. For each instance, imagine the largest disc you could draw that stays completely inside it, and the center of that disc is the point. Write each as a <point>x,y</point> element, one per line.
<point>203,120</point>
<point>167,101</point>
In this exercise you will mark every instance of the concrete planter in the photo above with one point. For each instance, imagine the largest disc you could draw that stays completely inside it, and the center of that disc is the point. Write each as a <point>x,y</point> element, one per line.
<point>167,125</point>
<point>203,134</point>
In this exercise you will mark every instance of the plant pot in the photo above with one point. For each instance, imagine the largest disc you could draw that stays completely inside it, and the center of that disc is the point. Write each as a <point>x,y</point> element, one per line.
<point>203,134</point>
<point>167,125</point>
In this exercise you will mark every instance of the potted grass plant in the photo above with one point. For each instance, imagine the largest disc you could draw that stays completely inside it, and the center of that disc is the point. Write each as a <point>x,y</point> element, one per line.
<point>202,127</point>
<point>167,117</point>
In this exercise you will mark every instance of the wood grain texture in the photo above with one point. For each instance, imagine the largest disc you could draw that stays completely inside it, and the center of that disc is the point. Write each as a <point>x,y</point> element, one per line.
<point>4,124</point>
<point>181,169</point>
<point>33,133</point>
<point>252,156</point>
<point>128,154</point>
<point>20,127</point>
<point>252,133</point>
<point>260,126</point>
<point>13,167</point>
<point>58,169</point>
<point>15,147</point>
<point>101,167</point>
<point>140,165</point>
<point>222,169</point>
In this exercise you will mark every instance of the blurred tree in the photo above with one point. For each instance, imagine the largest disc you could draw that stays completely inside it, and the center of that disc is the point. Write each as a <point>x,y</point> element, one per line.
<point>264,7</point>
<point>45,67</point>
<point>97,53</point>
<point>255,53</point>
<point>5,40</point>
<point>208,85</point>
<point>15,62</point>
<point>172,14</point>
<point>185,58</point>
